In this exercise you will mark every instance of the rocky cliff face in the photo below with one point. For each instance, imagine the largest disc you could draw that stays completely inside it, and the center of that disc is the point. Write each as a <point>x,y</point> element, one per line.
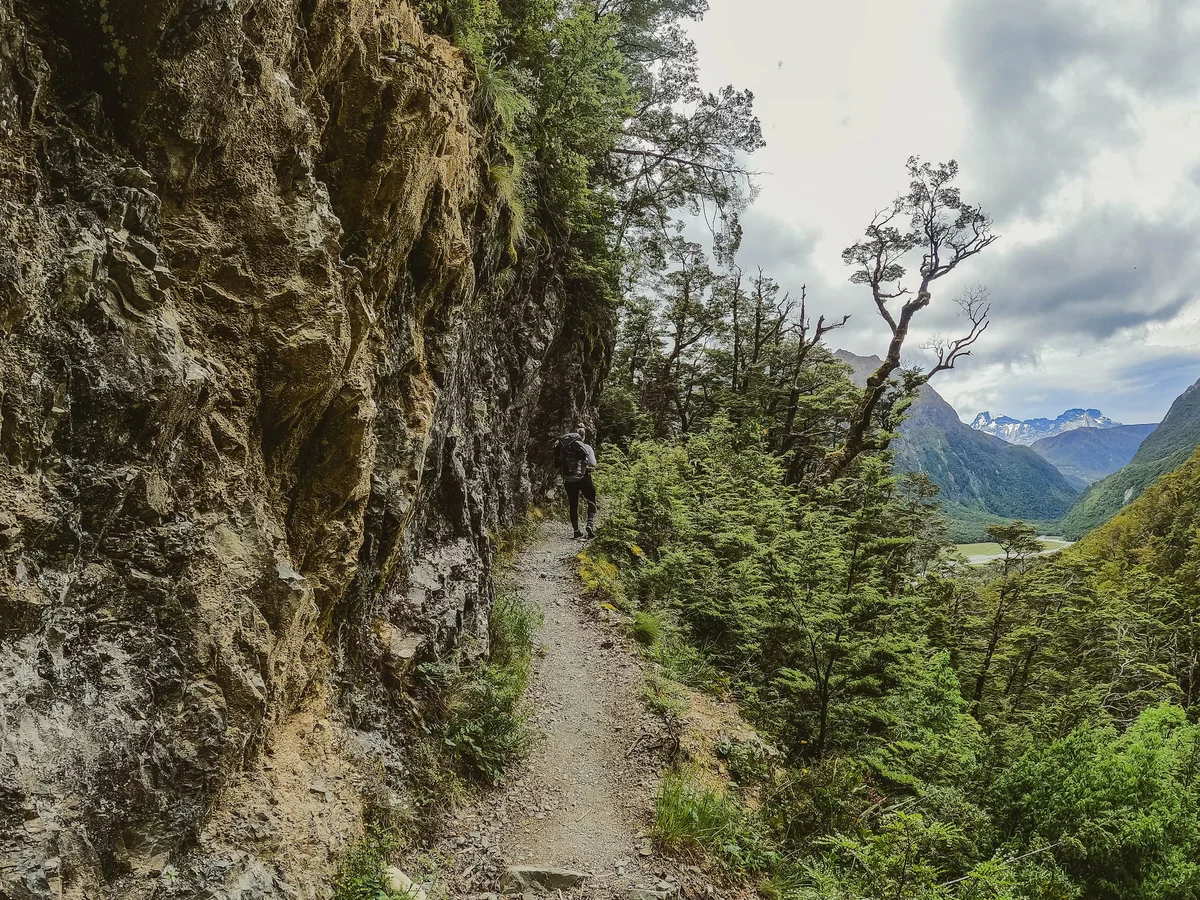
<point>268,379</point>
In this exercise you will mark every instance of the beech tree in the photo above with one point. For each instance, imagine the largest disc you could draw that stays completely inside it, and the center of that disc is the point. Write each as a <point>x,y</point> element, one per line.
<point>683,148</point>
<point>933,218</point>
<point>1019,544</point>
<point>690,317</point>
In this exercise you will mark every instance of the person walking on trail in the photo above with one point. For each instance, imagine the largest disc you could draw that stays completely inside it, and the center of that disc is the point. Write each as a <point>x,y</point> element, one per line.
<point>576,459</point>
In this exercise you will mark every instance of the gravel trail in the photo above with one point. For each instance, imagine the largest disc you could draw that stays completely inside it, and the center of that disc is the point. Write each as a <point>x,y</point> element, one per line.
<point>583,799</point>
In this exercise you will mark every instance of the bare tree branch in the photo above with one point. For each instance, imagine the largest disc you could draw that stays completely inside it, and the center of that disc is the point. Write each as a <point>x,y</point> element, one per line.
<point>690,163</point>
<point>974,305</point>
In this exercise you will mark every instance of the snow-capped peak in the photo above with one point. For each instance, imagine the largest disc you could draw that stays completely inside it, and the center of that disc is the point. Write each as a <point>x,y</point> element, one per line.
<point>1026,431</point>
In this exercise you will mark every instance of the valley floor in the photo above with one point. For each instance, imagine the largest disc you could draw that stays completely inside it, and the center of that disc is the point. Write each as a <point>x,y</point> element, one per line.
<point>987,551</point>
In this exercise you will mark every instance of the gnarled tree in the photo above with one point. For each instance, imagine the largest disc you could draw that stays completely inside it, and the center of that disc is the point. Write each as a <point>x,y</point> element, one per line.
<point>930,217</point>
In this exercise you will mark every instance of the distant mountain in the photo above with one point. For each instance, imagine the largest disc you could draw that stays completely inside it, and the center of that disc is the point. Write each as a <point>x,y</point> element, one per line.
<point>1027,431</point>
<point>983,479</point>
<point>1085,455</point>
<point>1163,450</point>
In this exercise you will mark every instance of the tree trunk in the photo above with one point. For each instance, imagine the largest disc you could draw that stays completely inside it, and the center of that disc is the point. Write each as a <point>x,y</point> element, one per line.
<point>857,435</point>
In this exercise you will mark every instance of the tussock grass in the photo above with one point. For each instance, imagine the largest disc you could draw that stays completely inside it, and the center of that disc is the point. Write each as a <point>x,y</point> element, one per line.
<point>684,662</point>
<point>647,628</point>
<point>507,543</point>
<point>498,95</point>
<point>690,816</point>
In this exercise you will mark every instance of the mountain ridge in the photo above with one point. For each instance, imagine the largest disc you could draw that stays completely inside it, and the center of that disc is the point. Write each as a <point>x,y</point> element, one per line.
<point>1163,450</point>
<point>1087,455</point>
<point>983,479</point>
<point>1029,431</point>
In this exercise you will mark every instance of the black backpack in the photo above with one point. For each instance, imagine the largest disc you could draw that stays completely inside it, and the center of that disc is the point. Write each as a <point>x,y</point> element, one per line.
<point>569,457</point>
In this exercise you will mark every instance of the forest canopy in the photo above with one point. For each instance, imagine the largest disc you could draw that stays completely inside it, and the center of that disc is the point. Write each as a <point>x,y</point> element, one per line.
<point>1022,730</point>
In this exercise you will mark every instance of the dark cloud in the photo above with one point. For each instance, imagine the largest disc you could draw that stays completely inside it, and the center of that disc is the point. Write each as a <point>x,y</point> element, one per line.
<point>1051,83</point>
<point>1108,271</point>
<point>1048,88</point>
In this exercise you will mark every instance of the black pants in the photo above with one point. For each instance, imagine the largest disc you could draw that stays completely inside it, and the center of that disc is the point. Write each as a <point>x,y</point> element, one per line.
<point>587,487</point>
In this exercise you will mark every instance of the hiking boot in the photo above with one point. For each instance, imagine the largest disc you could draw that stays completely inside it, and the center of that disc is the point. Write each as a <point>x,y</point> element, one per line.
<point>578,534</point>
<point>591,532</point>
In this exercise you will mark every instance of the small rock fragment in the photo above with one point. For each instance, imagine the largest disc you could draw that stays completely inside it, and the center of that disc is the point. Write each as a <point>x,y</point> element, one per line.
<point>399,883</point>
<point>524,878</point>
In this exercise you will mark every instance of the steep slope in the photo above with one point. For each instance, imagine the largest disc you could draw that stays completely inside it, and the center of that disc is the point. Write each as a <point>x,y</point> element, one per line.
<point>1157,529</point>
<point>265,392</point>
<point>1027,431</point>
<point>983,479</point>
<point>1138,574</point>
<point>1165,449</point>
<point>1085,455</point>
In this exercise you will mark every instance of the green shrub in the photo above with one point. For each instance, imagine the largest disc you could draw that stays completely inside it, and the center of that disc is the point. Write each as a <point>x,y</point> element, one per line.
<point>360,876</point>
<point>602,580</point>
<point>749,761</point>
<point>470,24</point>
<point>435,788</point>
<point>690,815</point>
<point>487,723</point>
<point>513,629</point>
<point>647,628</point>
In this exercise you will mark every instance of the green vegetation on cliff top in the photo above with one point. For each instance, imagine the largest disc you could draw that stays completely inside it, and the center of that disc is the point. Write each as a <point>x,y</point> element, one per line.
<point>599,134</point>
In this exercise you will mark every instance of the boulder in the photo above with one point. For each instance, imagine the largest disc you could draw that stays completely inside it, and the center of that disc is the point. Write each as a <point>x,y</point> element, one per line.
<point>546,878</point>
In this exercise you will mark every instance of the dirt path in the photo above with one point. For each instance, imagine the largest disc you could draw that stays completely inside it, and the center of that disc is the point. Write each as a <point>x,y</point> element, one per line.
<point>584,798</point>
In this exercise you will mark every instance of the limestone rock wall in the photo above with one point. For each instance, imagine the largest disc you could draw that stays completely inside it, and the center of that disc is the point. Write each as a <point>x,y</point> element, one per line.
<point>268,381</point>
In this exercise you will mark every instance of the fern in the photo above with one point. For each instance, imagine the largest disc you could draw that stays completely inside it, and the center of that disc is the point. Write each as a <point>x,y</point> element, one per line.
<point>508,181</point>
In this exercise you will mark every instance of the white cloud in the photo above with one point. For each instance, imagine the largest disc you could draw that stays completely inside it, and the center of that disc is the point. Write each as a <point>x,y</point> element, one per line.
<point>1075,121</point>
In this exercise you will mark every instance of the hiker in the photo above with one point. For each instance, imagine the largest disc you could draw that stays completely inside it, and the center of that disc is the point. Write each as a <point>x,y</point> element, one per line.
<point>576,459</point>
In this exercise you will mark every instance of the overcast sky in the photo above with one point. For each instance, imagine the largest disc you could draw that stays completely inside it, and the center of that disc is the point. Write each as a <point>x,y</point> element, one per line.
<point>1076,124</point>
